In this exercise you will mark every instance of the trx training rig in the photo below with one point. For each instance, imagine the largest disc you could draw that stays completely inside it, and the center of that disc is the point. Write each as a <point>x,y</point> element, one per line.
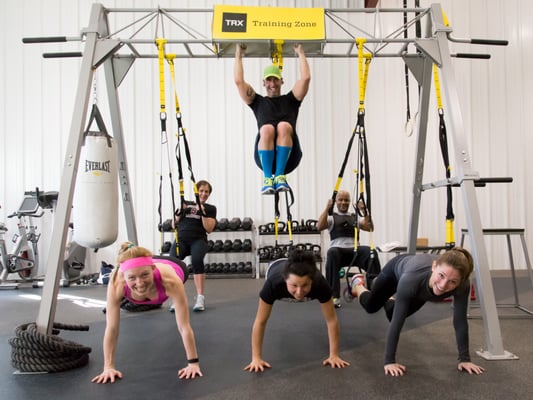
<point>277,60</point>
<point>362,204</point>
<point>180,134</point>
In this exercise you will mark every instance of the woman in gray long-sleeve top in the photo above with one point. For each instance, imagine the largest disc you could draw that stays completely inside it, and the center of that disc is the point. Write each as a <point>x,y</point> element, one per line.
<point>406,283</point>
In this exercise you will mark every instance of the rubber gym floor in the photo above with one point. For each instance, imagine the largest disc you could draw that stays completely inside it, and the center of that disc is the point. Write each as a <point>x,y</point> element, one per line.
<point>150,351</point>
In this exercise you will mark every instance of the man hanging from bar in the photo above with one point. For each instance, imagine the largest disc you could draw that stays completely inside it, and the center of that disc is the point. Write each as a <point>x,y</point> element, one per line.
<point>277,148</point>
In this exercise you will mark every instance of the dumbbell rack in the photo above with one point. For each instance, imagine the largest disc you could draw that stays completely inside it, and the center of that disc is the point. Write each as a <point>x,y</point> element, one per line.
<point>225,259</point>
<point>266,240</point>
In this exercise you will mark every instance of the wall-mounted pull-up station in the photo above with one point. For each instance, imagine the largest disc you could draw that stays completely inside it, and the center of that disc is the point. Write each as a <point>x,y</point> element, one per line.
<point>324,33</point>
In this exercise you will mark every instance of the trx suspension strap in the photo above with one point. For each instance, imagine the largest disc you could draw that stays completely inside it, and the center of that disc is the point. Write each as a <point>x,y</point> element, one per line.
<point>363,200</point>
<point>277,60</point>
<point>443,139</point>
<point>364,64</point>
<point>363,203</point>
<point>160,42</point>
<point>180,133</point>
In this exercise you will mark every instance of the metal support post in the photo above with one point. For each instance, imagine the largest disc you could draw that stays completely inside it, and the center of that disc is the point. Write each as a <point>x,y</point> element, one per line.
<point>47,309</point>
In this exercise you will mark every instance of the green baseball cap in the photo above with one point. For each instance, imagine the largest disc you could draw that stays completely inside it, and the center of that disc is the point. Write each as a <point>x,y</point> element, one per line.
<point>272,70</point>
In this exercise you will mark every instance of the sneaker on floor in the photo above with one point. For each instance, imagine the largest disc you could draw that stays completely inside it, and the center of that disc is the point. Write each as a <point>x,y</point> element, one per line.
<point>280,184</point>
<point>171,308</point>
<point>268,186</point>
<point>200,303</point>
<point>337,302</point>
<point>357,279</point>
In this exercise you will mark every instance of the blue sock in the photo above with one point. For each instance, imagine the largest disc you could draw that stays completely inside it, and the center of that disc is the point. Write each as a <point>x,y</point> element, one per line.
<point>282,156</point>
<point>267,159</point>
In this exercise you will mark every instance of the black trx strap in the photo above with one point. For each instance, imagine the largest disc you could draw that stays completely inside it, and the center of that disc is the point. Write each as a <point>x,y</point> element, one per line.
<point>443,140</point>
<point>418,34</point>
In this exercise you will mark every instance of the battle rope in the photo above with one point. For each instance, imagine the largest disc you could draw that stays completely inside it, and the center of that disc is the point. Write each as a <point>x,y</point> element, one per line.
<point>32,351</point>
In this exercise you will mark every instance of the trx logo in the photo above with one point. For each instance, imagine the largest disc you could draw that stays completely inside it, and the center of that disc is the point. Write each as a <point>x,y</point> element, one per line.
<point>96,167</point>
<point>233,22</point>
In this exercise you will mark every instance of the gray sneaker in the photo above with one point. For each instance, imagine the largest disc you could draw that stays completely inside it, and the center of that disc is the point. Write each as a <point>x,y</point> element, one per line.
<point>200,303</point>
<point>337,302</point>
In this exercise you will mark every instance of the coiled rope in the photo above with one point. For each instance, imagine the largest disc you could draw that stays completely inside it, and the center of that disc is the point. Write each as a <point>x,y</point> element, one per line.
<point>32,351</point>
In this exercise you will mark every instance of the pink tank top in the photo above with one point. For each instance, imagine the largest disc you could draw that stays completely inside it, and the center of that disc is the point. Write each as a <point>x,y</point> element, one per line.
<point>161,295</point>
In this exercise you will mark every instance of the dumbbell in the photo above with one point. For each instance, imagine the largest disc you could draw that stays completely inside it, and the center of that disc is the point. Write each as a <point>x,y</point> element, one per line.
<point>222,224</point>
<point>210,245</point>
<point>233,268</point>
<point>248,267</point>
<point>219,268</point>
<point>227,246</point>
<point>237,245</point>
<point>247,223</point>
<point>225,268</point>
<point>218,245</point>
<point>247,245</point>
<point>234,224</point>
<point>240,267</point>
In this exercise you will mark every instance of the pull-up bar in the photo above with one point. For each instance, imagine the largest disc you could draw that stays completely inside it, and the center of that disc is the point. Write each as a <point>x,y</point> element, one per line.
<point>323,32</point>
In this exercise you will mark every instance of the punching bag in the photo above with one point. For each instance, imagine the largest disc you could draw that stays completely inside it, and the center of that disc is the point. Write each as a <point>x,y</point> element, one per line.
<point>95,204</point>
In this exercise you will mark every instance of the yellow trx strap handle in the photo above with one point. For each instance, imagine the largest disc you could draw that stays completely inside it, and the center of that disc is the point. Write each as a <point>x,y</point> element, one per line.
<point>437,86</point>
<point>161,57</point>
<point>277,56</point>
<point>364,65</point>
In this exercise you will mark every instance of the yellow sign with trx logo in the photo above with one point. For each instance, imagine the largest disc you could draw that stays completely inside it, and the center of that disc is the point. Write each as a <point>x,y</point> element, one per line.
<point>248,23</point>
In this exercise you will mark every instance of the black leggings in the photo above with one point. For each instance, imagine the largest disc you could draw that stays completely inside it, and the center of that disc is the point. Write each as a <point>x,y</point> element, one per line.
<point>383,287</point>
<point>197,249</point>
<point>339,257</point>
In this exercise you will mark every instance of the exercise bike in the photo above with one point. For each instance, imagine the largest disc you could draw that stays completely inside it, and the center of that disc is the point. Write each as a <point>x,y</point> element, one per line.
<point>25,254</point>
<point>24,258</point>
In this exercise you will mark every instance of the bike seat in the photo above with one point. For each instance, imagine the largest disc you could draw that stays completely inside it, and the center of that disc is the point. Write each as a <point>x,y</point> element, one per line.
<point>47,199</point>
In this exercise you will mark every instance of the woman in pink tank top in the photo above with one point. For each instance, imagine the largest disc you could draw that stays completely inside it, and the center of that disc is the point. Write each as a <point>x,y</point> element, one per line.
<point>146,280</point>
